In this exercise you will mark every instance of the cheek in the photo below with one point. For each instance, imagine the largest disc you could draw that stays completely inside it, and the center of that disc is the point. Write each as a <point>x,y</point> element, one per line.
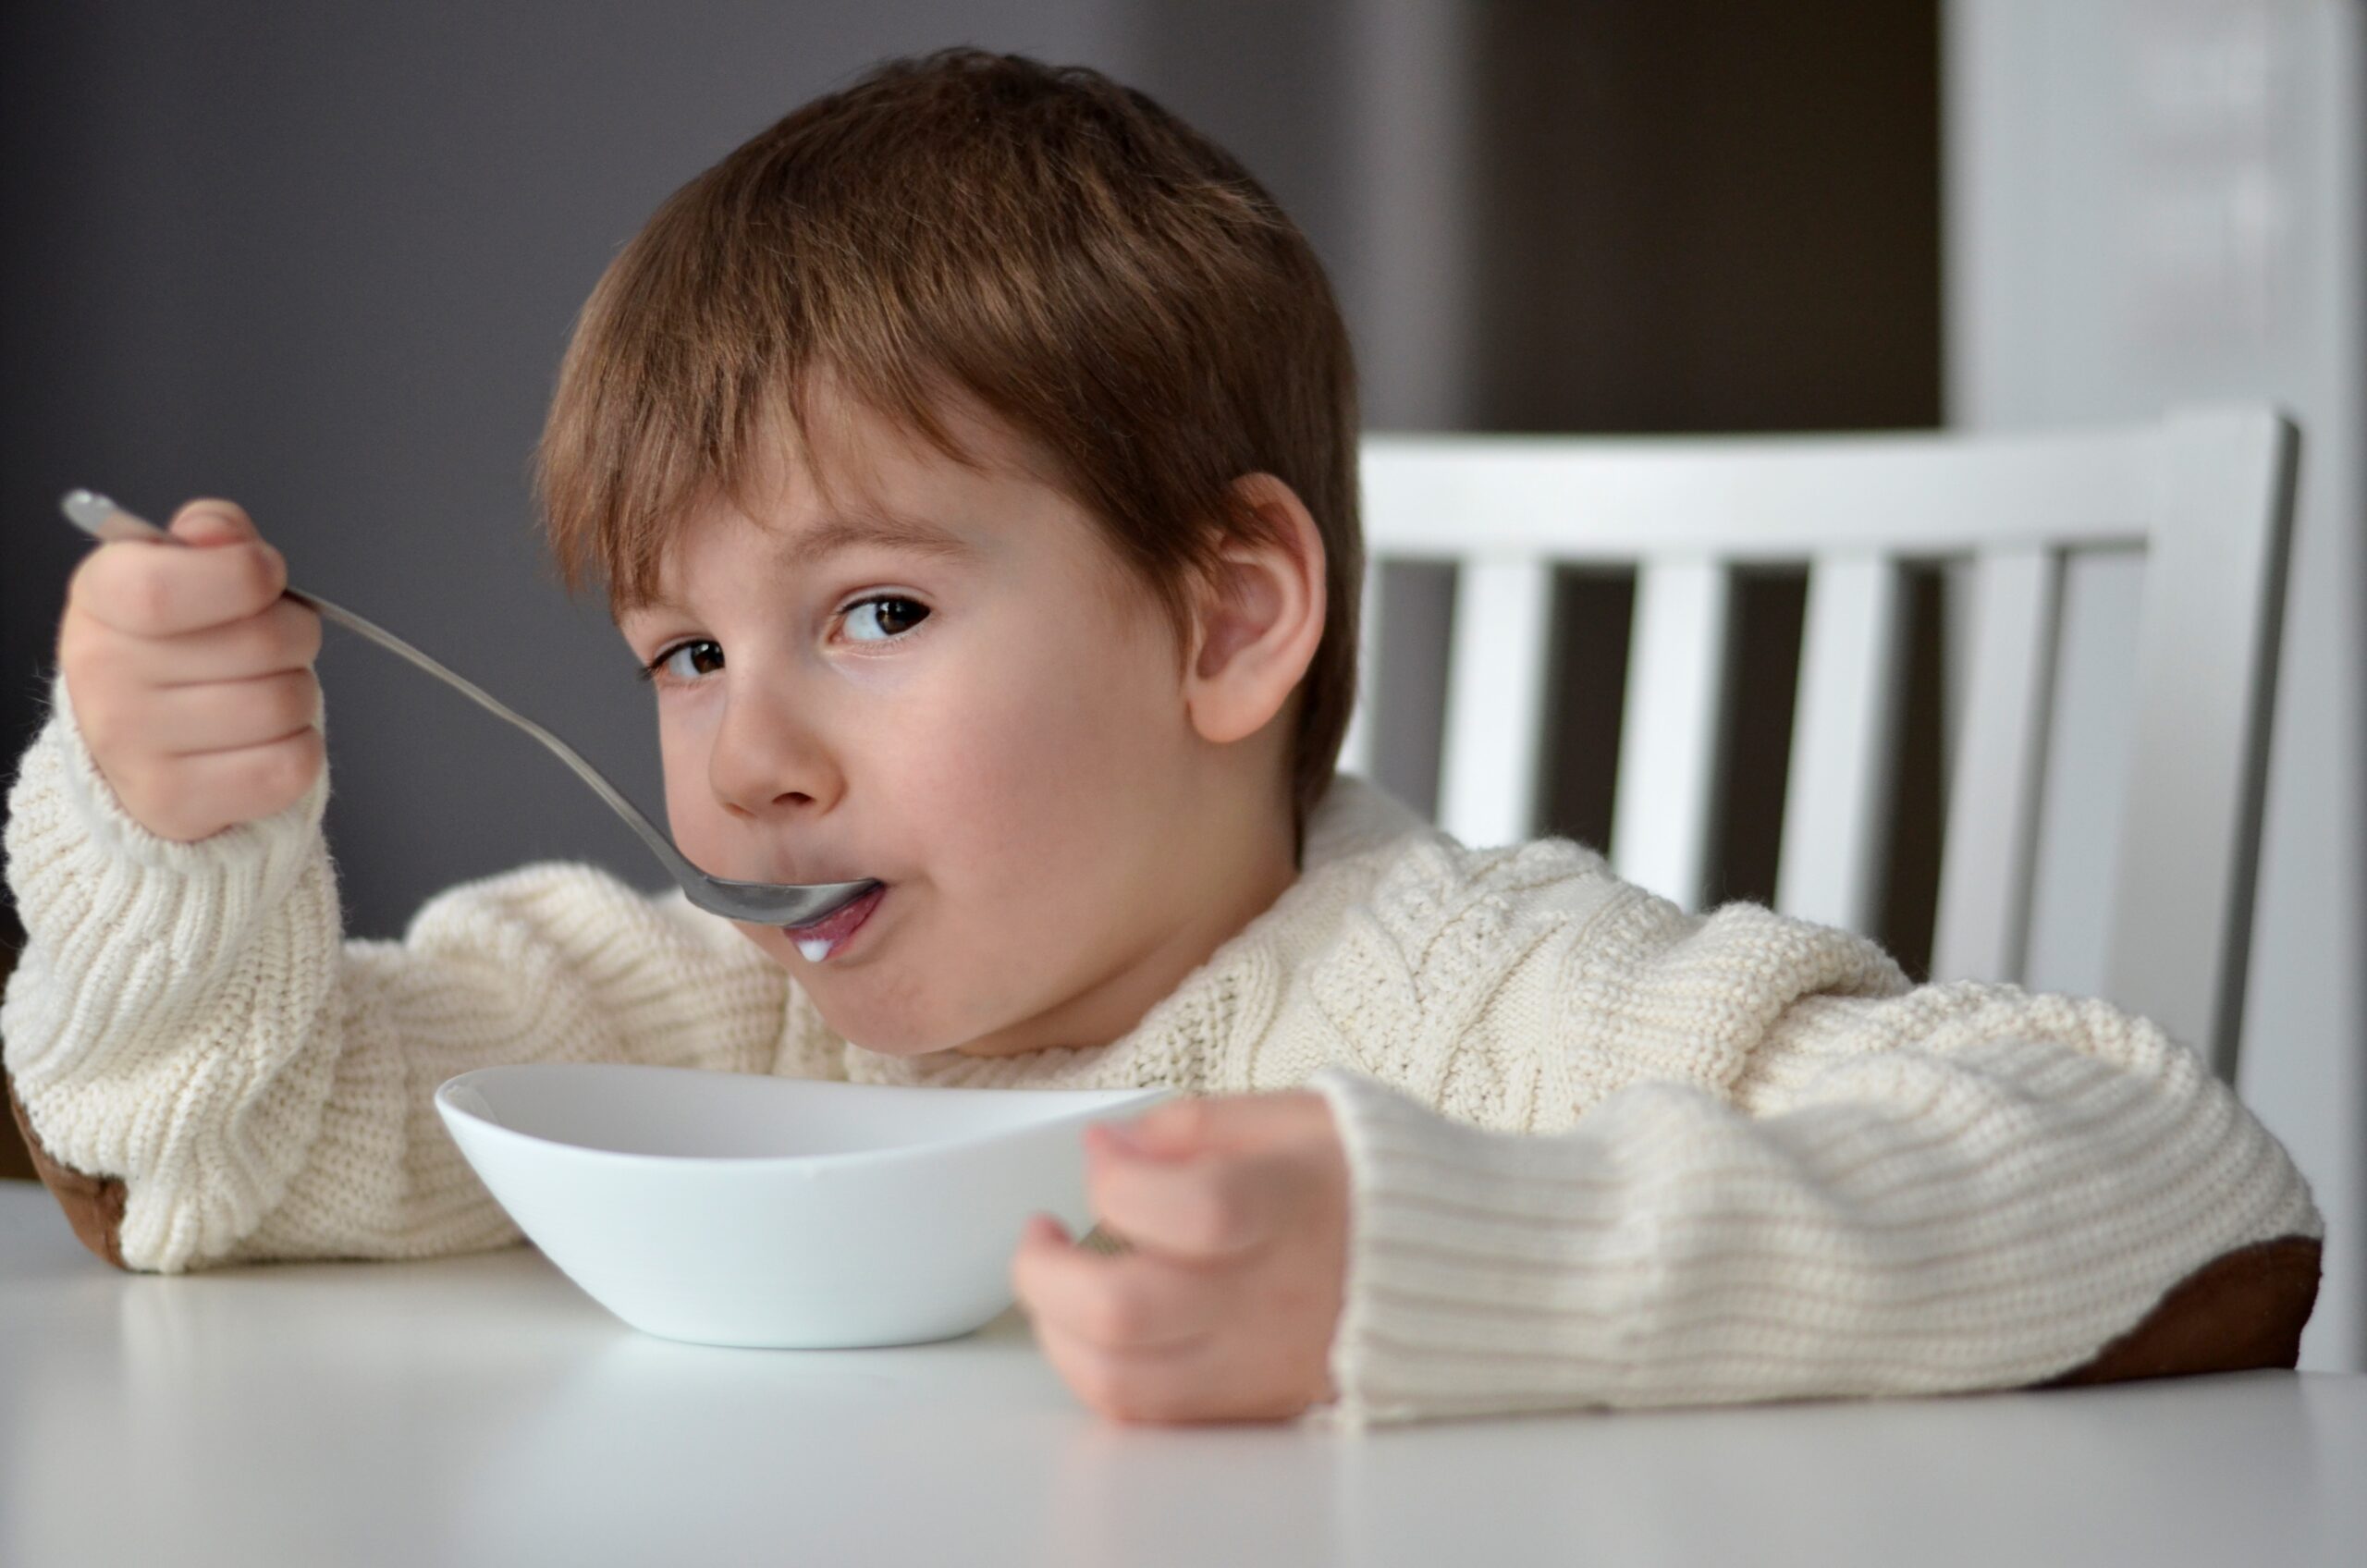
<point>691,815</point>
<point>1043,773</point>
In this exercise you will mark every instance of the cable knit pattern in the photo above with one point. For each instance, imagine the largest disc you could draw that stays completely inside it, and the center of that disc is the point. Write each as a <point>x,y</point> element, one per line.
<point>1602,1151</point>
<point>185,1017</point>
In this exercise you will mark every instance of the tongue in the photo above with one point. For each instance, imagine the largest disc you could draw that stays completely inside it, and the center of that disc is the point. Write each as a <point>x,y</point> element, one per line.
<point>839,924</point>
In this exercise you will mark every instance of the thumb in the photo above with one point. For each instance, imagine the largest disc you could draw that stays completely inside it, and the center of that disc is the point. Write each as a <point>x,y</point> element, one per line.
<point>1174,1129</point>
<point>213,522</point>
<point>1182,1127</point>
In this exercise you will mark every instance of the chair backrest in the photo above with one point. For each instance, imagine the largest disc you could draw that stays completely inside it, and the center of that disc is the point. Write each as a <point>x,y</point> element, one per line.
<point>2205,493</point>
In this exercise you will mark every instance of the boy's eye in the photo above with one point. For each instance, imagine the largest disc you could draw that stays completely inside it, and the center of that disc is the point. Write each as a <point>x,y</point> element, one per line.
<point>687,661</point>
<point>889,617</point>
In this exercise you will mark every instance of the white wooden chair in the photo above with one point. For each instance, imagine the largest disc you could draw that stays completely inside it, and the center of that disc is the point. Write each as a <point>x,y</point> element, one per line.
<point>2205,493</point>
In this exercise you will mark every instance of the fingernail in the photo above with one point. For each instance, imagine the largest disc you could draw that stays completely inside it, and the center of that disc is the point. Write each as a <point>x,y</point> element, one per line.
<point>1045,1228</point>
<point>214,515</point>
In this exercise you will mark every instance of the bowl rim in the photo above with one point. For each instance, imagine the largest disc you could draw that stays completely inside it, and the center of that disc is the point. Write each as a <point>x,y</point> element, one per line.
<point>1140,1099</point>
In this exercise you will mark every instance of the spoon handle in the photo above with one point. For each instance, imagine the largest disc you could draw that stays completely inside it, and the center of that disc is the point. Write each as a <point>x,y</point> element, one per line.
<point>102,518</point>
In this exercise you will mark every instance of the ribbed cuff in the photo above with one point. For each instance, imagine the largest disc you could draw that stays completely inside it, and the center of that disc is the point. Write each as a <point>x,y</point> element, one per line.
<point>1986,1216</point>
<point>101,896</point>
<point>1466,1292</point>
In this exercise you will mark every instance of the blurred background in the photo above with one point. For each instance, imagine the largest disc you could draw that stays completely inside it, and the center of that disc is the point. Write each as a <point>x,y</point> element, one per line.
<point>324,260</point>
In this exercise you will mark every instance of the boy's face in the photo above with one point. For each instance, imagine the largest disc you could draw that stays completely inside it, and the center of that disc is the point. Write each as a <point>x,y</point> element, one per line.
<point>986,716</point>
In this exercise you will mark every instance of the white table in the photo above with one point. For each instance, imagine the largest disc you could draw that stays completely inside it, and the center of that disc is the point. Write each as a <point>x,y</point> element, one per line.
<point>482,1410</point>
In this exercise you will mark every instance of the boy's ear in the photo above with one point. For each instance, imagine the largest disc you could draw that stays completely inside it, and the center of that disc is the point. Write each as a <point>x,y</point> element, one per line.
<point>1257,619</point>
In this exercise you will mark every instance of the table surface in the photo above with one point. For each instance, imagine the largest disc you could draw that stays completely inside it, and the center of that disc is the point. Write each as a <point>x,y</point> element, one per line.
<point>483,1410</point>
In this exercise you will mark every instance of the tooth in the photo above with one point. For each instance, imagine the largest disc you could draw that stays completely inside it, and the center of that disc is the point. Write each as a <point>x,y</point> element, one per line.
<point>816,949</point>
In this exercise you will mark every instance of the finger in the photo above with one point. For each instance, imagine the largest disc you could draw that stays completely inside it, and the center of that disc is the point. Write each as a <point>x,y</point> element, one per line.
<point>1129,1385</point>
<point>1131,1302</point>
<point>220,716</point>
<point>218,789</point>
<point>151,590</point>
<point>287,636</point>
<point>1196,1381</point>
<point>1185,1126</point>
<point>1208,1205</point>
<point>210,520</point>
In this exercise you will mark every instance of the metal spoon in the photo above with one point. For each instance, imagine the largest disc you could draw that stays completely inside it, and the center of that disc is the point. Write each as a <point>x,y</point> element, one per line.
<point>763,904</point>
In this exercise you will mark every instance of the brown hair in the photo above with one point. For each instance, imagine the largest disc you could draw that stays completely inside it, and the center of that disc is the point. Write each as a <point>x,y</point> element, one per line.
<point>1106,280</point>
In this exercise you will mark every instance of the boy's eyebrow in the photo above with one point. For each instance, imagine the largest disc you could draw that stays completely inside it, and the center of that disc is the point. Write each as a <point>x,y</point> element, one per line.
<point>827,538</point>
<point>888,529</point>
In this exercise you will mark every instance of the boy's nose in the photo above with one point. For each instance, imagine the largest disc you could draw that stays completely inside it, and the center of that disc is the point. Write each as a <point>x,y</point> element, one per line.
<point>767,760</point>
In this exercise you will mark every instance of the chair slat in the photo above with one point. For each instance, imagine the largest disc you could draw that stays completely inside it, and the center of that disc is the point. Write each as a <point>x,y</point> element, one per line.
<point>1357,747</point>
<point>1667,793</point>
<point>1497,678</point>
<point>1836,802</point>
<point>2181,911</point>
<point>1776,498</point>
<point>1991,835</point>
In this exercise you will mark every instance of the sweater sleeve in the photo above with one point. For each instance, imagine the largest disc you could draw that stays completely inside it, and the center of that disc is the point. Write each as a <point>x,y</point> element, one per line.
<point>1950,1188</point>
<point>186,1020</point>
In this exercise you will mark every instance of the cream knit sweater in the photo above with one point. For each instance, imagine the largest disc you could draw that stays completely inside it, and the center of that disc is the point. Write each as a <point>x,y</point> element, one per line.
<point>1768,1167</point>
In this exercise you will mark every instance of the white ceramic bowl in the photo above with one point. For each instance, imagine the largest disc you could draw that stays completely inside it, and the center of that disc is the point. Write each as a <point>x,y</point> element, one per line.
<point>729,1208</point>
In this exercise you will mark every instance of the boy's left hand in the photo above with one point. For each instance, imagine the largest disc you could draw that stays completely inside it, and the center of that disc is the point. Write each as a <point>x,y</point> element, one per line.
<point>1237,1211</point>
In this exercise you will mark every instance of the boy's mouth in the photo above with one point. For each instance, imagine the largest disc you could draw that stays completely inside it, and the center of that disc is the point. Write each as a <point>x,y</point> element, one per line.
<point>828,937</point>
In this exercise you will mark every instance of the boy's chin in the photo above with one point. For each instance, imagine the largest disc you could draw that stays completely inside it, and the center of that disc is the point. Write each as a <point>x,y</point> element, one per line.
<point>882,1038</point>
<point>900,1048</point>
<point>900,1053</point>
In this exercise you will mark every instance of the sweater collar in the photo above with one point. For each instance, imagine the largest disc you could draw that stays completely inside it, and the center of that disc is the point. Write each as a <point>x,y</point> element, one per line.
<point>1217,1013</point>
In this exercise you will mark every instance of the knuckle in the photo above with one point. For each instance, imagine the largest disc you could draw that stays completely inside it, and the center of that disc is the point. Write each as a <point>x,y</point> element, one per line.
<point>1100,1382</point>
<point>304,638</point>
<point>83,654</point>
<point>1027,1281</point>
<point>1114,1316</point>
<point>88,580</point>
<point>1181,1121</point>
<point>1191,1118</point>
<point>97,575</point>
<point>293,698</point>
<point>269,571</point>
<point>281,635</point>
<point>283,770</point>
<point>309,750</point>
<point>256,645</point>
<point>75,643</point>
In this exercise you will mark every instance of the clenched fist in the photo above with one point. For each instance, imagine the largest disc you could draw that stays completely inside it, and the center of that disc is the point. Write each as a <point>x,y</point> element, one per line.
<point>191,678</point>
<point>1236,1209</point>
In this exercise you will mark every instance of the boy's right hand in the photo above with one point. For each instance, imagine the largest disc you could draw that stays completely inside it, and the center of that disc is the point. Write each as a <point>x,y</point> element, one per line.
<point>191,678</point>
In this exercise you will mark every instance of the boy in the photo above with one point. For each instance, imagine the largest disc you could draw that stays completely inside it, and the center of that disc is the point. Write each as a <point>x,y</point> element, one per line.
<point>970,460</point>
